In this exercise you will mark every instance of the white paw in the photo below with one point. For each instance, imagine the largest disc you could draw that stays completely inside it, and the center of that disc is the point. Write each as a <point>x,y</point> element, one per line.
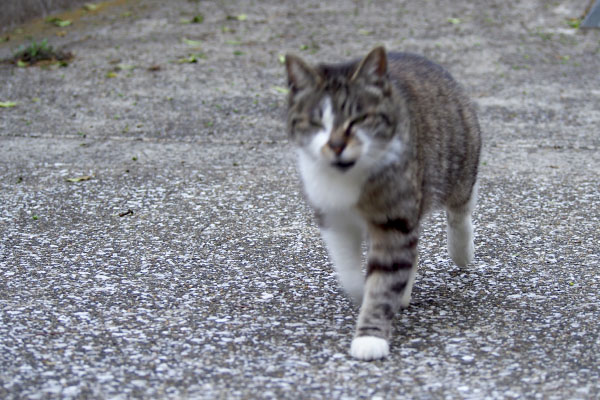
<point>369,348</point>
<point>461,253</point>
<point>460,245</point>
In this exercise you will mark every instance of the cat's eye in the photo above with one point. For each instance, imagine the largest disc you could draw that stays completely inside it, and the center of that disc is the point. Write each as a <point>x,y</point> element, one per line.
<point>373,118</point>
<point>357,120</point>
<point>302,123</point>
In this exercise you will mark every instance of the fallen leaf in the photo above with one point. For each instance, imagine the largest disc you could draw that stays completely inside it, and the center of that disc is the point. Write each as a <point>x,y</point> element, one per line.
<point>21,63</point>
<point>7,104</point>
<point>61,33</point>
<point>90,7</point>
<point>281,59</point>
<point>111,74</point>
<point>187,60</point>
<point>241,17</point>
<point>58,21</point>
<point>79,178</point>
<point>192,58</point>
<point>193,43</point>
<point>281,89</point>
<point>454,21</point>
<point>154,68</point>
<point>574,23</point>
<point>365,32</point>
<point>198,19</point>
<point>124,67</point>
<point>238,53</point>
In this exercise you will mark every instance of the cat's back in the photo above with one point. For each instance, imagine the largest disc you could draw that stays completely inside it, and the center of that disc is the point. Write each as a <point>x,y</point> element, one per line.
<point>435,100</point>
<point>444,123</point>
<point>418,76</point>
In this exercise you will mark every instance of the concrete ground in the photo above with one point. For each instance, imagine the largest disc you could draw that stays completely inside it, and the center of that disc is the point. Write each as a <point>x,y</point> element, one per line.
<point>185,263</point>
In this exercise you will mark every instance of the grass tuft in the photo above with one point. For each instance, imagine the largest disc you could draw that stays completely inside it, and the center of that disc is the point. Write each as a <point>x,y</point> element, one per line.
<point>37,52</point>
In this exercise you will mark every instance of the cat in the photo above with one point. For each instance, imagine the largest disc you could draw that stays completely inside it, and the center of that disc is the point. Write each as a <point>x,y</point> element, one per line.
<point>380,142</point>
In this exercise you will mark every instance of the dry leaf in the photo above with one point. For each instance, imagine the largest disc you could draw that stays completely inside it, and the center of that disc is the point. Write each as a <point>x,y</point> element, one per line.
<point>79,178</point>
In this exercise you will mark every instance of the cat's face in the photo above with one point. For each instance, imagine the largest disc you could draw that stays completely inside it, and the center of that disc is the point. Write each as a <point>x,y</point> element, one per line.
<point>342,115</point>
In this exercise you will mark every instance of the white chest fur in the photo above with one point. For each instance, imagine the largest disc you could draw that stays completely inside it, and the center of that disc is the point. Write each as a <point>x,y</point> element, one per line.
<point>326,187</point>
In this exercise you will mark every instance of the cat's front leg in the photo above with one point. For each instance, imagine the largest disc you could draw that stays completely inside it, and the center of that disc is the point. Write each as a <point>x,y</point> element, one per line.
<point>343,234</point>
<point>391,268</point>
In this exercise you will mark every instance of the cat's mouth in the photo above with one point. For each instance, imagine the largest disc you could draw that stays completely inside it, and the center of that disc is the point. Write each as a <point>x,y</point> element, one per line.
<point>343,165</point>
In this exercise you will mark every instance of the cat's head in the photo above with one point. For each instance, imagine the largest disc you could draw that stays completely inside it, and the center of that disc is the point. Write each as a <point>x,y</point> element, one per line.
<point>343,115</point>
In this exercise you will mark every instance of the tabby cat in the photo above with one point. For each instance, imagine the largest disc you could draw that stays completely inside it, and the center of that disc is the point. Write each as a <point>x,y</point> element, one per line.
<point>380,142</point>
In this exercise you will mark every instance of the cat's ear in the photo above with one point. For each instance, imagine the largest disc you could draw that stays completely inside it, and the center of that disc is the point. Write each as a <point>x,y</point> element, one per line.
<point>300,74</point>
<point>373,67</point>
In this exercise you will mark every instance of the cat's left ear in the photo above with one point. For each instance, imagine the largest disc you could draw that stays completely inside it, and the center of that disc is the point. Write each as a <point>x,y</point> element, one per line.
<point>373,67</point>
<point>300,75</point>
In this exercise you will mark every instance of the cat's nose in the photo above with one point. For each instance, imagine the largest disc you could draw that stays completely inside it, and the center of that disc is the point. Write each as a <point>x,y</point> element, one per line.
<point>337,146</point>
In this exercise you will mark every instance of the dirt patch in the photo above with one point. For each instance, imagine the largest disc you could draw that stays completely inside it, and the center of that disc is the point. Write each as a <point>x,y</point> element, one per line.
<point>43,26</point>
<point>41,54</point>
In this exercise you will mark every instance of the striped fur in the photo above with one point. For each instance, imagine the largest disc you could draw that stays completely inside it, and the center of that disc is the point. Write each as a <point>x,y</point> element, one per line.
<point>381,141</point>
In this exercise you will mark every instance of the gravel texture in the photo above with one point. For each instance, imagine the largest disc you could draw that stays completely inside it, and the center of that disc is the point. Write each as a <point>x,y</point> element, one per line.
<point>186,263</point>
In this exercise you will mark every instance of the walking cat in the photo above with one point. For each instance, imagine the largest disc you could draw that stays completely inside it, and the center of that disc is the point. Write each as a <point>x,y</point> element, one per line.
<point>380,142</point>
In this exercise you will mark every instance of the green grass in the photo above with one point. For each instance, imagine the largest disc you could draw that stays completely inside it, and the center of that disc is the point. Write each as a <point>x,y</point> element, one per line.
<point>39,51</point>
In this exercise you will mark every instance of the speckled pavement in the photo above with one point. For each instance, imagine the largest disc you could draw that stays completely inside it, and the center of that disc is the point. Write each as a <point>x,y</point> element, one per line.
<point>154,242</point>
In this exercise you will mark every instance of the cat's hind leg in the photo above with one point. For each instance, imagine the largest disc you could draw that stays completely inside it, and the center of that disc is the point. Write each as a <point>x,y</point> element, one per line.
<point>460,231</point>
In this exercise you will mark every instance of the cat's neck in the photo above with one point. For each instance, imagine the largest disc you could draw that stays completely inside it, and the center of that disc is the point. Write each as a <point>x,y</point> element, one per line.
<point>331,189</point>
<point>327,188</point>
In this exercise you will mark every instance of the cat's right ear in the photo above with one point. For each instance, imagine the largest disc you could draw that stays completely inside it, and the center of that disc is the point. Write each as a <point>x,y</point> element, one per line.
<point>300,74</point>
<point>373,67</point>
